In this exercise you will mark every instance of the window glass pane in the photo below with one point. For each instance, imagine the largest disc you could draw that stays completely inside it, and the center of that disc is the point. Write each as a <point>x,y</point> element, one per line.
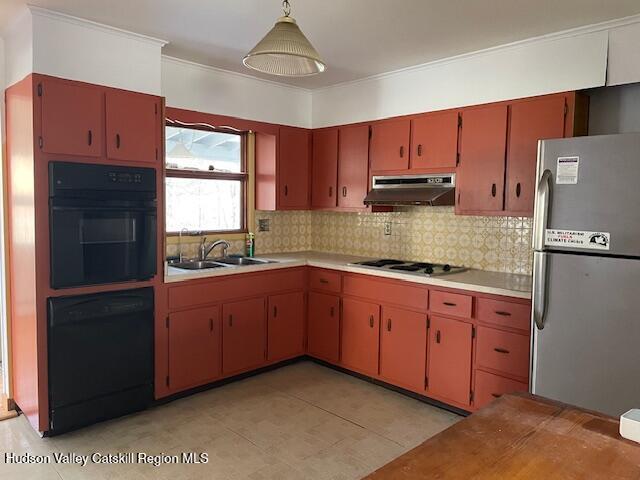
<point>188,148</point>
<point>203,204</point>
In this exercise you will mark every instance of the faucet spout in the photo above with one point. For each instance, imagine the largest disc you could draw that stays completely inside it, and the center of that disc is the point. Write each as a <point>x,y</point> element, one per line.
<point>205,250</point>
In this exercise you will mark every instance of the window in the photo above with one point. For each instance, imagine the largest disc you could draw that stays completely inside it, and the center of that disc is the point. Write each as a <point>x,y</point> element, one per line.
<point>205,179</point>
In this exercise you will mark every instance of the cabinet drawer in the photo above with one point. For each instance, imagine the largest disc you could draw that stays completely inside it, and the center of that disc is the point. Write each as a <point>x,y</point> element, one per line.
<point>451,303</point>
<point>381,291</point>
<point>325,280</point>
<point>489,387</point>
<point>503,351</point>
<point>508,314</point>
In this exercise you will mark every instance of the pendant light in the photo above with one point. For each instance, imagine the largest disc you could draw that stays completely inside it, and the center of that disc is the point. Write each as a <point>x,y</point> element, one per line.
<point>285,51</point>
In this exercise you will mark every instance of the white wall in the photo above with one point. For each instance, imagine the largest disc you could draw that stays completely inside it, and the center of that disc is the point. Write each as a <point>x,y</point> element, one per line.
<point>624,55</point>
<point>614,109</point>
<point>525,69</point>
<point>18,48</point>
<point>197,87</point>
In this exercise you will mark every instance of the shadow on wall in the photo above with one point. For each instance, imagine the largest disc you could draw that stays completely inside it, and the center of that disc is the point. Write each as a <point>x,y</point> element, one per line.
<point>614,109</point>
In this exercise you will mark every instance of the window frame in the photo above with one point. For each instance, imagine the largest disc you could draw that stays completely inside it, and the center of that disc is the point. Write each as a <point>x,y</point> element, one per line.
<point>242,176</point>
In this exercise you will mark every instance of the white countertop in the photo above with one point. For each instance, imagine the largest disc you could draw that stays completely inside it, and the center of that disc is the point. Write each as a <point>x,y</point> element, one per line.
<point>496,283</point>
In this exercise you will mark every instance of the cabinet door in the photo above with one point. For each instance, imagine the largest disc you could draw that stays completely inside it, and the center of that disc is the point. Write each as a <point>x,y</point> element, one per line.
<point>133,126</point>
<point>243,342</point>
<point>450,359</point>
<point>403,348</point>
<point>353,166</point>
<point>325,168</point>
<point>360,335</point>
<point>72,118</point>
<point>293,168</point>
<point>530,121</point>
<point>323,328</point>
<point>194,347</point>
<point>434,141</point>
<point>390,145</point>
<point>480,182</point>
<point>285,326</point>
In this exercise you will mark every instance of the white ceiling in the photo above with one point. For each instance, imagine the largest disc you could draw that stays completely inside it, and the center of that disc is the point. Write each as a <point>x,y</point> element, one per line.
<point>357,38</point>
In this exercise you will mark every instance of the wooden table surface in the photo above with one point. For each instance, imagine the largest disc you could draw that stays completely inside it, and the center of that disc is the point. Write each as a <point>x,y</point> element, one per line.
<point>521,436</point>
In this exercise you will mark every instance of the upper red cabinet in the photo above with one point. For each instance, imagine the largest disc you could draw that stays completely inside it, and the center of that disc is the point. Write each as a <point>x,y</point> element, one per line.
<point>132,126</point>
<point>434,141</point>
<point>480,182</point>
<point>293,167</point>
<point>325,168</point>
<point>390,145</point>
<point>72,117</point>
<point>353,166</point>
<point>531,121</point>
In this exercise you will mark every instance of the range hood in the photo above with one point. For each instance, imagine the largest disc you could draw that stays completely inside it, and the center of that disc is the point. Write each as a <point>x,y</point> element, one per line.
<point>430,189</point>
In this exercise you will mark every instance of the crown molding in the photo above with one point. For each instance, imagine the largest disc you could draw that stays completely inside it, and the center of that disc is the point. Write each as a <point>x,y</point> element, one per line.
<point>63,17</point>
<point>210,68</point>
<point>563,34</point>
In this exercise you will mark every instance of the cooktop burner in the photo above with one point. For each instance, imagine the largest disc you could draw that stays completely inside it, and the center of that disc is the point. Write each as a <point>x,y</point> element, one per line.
<point>418,268</point>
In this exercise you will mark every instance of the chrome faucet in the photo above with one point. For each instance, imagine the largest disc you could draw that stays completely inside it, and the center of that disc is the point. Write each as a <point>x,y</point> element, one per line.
<point>205,249</point>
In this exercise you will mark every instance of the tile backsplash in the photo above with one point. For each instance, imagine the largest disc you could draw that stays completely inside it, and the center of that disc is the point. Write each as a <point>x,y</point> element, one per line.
<point>433,234</point>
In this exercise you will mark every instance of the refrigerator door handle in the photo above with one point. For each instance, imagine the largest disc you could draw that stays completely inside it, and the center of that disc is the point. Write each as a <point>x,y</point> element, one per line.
<point>541,214</point>
<point>539,288</point>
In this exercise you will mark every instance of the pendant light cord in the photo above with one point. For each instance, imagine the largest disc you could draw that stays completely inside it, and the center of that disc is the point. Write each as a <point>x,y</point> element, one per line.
<point>286,8</point>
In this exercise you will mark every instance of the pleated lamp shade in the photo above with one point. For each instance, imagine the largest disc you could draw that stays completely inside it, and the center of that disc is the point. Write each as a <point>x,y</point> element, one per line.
<point>285,51</point>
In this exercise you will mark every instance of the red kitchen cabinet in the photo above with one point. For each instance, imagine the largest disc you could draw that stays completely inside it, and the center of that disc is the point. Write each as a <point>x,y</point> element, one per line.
<point>72,118</point>
<point>133,125</point>
<point>360,335</point>
<point>434,141</point>
<point>390,145</point>
<point>480,180</point>
<point>353,166</point>
<point>194,347</point>
<point>285,326</point>
<point>530,121</point>
<point>323,327</point>
<point>403,348</point>
<point>325,168</point>
<point>488,387</point>
<point>293,168</point>
<point>243,342</point>
<point>449,368</point>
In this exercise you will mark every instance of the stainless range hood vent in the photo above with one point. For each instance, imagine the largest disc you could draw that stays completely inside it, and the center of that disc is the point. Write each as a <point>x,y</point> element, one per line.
<point>430,189</point>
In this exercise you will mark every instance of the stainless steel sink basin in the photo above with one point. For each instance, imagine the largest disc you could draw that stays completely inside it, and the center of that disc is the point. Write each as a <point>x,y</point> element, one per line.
<point>242,261</point>
<point>199,265</point>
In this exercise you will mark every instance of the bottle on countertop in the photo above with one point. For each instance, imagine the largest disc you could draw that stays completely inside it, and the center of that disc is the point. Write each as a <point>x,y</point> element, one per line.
<point>250,244</point>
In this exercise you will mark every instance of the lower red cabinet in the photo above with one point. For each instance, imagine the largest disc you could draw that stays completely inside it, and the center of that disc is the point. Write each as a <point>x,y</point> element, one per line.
<point>489,387</point>
<point>243,342</point>
<point>194,347</point>
<point>449,369</point>
<point>403,348</point>
<point>360,335</point>
<point>323,327</point>
<point>285,326</point>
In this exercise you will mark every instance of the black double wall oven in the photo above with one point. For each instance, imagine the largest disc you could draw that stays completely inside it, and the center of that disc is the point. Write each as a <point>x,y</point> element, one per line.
<point>100,345</point>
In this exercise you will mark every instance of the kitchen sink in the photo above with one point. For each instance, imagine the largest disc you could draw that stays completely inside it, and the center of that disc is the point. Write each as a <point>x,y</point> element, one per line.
<point>199,265</point>
<point>243,261</point>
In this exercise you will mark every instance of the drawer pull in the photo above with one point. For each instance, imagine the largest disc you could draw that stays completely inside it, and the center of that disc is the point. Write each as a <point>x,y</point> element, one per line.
<point>501,350</point>
<point>90,138</point>
<point>388,325</point>
<point>449,304</point>
<point>503,313</point>
<point>231,320</point>
<point>438,336</point>
<point>371,321</point>
<point>420,150</point>
<point>494,190</point>
<point>344,191</point>
<point>324,281</point>
<point>402,151</point>
<point>117,140</point>
<point>496,395</point>
<point>331,191</point>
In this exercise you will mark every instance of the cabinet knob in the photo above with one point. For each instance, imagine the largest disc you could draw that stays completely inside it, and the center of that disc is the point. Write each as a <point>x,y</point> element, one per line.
<point>117,140</point>
<point>90,137</point>
<point>371,321</point>
<point>388,324</point>
<point>286,190</point>
<point>420,150</point>
<point>231,320</point>
<point>438,336</point>
<point>401,151</point>
<point>275,311</point>
<point>518,190</point>
<point>331,191</point>
<point>211,324</point>
<point>331,311</point>
<point>344,191</point>
<point>494,190</point>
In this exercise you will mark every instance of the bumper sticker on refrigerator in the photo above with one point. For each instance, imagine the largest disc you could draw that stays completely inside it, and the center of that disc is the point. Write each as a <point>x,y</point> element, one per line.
<point>577,239</point>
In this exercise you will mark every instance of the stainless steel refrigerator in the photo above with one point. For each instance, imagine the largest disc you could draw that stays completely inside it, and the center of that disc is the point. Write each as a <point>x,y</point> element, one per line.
<point>586,281</point>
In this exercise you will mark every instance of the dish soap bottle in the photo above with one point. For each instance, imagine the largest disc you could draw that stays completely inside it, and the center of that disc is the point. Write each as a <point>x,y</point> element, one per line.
<point>250,244</point>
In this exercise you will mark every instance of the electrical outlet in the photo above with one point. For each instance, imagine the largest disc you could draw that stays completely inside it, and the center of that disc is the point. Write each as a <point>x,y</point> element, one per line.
<point>387,228</point>
<point>263,225</point>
